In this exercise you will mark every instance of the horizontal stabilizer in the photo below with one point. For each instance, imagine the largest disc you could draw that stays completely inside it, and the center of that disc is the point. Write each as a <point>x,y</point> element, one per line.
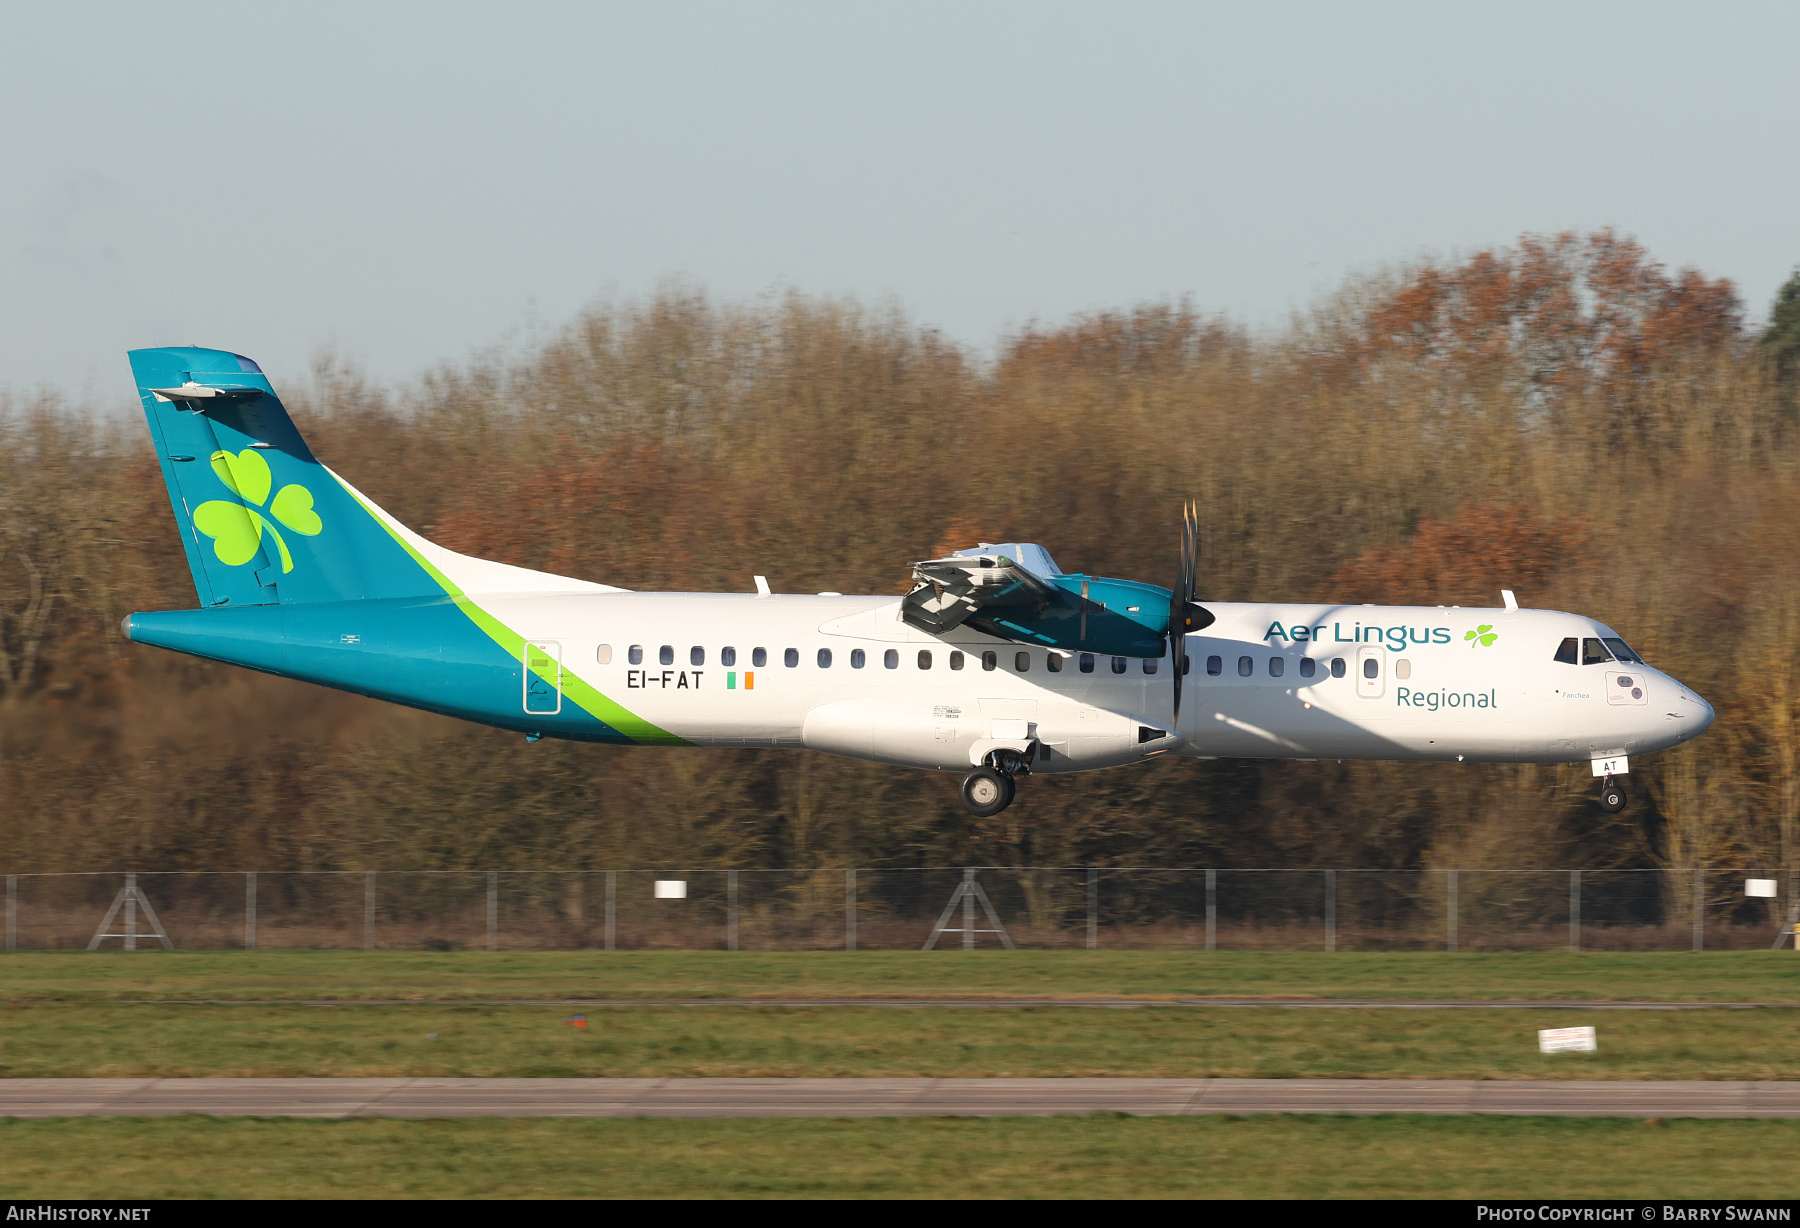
<point>201,393</point>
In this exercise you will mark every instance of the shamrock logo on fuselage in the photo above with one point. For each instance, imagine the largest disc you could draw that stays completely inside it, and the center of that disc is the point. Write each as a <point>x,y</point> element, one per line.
<point>1484,636</point>
<point>236,528</point>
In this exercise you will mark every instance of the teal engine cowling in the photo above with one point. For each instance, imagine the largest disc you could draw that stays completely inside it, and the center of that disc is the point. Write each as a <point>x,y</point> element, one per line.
<point>1016,592</point>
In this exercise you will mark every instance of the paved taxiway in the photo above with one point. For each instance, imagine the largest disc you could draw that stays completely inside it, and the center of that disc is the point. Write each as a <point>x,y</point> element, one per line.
<point>343,1098</point>
<point>1396,1004</point>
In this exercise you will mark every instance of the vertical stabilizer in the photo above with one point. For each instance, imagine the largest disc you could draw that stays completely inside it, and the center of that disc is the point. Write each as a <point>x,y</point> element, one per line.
<point>261,520</point>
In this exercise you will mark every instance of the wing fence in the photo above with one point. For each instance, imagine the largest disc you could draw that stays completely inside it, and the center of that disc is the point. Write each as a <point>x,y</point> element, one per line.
<point>1099,907</point>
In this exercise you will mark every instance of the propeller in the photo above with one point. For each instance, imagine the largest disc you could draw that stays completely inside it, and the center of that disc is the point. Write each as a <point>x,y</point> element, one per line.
<point>1185,615</point>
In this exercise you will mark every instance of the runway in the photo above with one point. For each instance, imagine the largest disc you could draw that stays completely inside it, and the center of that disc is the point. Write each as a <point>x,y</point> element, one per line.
<point>421,1098</point>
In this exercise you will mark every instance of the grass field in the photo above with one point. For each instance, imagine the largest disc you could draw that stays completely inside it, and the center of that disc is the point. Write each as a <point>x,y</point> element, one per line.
<point>1066,1157</point>
<point>117,975</point>
<point>109,1014</point>
<point>45,1040</point>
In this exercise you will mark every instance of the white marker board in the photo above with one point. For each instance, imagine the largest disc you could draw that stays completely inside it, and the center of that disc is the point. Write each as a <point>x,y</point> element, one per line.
<point>671,889</point>
<point>1567,1040</point>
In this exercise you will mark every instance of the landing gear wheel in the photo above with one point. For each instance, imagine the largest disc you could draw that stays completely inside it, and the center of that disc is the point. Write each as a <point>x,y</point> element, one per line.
<point>1613,796</point>
<point>986,792</point>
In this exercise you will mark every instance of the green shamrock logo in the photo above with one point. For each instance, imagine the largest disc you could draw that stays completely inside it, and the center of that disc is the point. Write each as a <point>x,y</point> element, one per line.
<point>236,528</point>
<point>1484,635</point>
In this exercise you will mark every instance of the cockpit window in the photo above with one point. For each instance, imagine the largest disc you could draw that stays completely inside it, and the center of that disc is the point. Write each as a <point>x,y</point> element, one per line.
<point>1593,652</point>
<point>1567,650</point>
<point>1622,651</point>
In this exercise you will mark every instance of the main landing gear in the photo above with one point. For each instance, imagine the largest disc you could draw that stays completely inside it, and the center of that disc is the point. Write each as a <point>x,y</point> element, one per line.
<point>989,789</point>
<point>1612,796</point>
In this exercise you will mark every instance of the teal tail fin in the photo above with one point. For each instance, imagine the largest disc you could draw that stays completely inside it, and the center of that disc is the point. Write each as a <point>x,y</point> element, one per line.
<point>261,519</point>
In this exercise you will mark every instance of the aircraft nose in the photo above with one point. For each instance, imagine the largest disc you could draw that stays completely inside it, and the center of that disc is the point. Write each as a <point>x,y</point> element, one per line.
<point>1695,715</point>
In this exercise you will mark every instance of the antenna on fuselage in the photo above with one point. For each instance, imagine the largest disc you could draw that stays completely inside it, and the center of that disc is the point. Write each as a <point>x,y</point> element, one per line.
<point>1512,602</point>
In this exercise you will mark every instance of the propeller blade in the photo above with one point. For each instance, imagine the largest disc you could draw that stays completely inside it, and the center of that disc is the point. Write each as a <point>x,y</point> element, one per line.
<point>1186,615</point>
<point>1180,601</point>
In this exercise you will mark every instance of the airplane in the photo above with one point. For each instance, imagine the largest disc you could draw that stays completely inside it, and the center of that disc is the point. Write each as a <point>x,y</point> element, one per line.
<point>996,663</point>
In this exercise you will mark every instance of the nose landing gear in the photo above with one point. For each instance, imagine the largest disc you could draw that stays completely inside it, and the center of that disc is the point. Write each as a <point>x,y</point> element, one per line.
<point>989,789</point>
<point>1613,797</point>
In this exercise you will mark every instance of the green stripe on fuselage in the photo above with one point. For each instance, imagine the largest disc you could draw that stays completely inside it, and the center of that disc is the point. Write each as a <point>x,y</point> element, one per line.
<point>574,688</point>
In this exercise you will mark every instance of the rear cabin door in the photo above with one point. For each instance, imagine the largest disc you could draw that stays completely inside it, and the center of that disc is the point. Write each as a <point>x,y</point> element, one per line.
<point>543,677</point>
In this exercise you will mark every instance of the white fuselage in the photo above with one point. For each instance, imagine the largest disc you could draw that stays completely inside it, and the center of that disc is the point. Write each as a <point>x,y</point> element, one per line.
<point>1418,683</point>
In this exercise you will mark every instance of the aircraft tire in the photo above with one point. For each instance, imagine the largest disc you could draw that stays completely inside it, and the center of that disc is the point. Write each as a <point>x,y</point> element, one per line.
<point>1613,797</point>
<point>986,792</point>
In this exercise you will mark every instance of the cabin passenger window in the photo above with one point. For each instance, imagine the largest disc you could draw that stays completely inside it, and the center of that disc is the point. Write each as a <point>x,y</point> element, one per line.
<point>696,656</point>
<point>635,654</point>
<point>1187,663</point>
<point>1371,668</point>
<point>1308,667</point>
<point>890,659</point>
<point>759,657</point>
<point>1276,666</point>
<point>1118,665</point>
<point>666,654</point>
<point>1052,662</point>
<point>1338,668</point>
<point>824,658</point>
<point>1149,666</point>
<point>1086,662</point>
<point>1403,669</point>
<point>1622,651</point>
<point>1022,661</point>
<point>1593,652</point>
<point>990,660</point>
<point>1215,665</point>
<point>603,654</point>
<point>727,656</point>
<point>857,658</point>
<point>791,658</point>
<point>956,660</point>
<point>1565,651</point>
<point>1246,667</point>
<point>924,658</point>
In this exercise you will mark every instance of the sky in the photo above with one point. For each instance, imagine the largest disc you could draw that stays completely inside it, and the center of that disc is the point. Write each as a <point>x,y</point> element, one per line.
<point>413,184</point>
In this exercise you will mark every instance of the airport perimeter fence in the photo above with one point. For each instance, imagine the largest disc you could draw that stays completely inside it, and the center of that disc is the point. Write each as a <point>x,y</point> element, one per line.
<point>907,909</point>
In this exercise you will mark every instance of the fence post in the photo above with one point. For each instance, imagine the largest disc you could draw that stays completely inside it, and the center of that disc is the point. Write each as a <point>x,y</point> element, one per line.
<point>1331,910</point>
<point>493,908</point>
<point>1093,903</point>
<point>1212,909</point>
<point>369,910</point>
<point>731,917</point>
<point>250,910</point>
<point>1699,909</point>
<point>131,912</point>
<point>1450,934</point>
<point>1574,910</point>
<point>968,910</point>
<point>849,910</point>
<point>12,912</point>
<point>612,885</point>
